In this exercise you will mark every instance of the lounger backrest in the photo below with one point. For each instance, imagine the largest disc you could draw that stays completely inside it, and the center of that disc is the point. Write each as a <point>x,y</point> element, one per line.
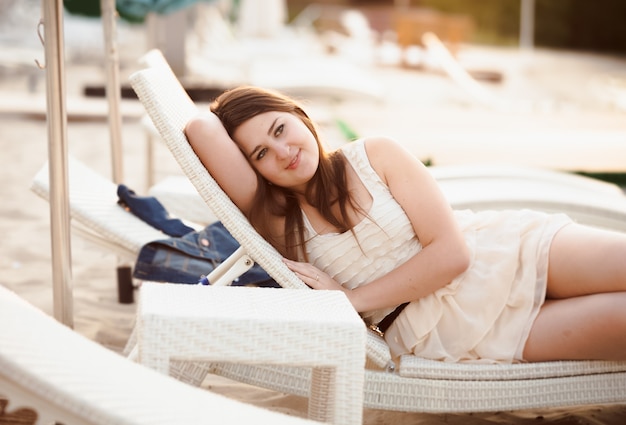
<point>170,108</point>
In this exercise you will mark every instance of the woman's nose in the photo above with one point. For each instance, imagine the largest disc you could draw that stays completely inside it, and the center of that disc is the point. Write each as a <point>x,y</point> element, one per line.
<point>282,150</point>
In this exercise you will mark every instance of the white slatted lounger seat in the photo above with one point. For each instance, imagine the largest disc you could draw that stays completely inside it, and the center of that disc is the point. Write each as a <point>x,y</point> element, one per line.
<point>96,217</point>
<point>585,200</point>
<point>67,378</point>
<point>95,213</point>
<point>414,384</point>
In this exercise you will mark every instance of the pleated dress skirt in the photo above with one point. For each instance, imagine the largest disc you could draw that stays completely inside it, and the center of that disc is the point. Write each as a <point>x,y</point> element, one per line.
<point>485,314</point>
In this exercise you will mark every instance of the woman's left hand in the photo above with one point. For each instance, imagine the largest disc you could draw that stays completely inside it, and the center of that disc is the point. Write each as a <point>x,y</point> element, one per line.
<point>312,276</point>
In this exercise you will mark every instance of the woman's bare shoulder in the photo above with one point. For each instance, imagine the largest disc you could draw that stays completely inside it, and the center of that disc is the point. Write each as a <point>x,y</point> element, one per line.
<point>381,145</point>
<point>374,146</point>
<point>388,157</point>
<point>383,150</point>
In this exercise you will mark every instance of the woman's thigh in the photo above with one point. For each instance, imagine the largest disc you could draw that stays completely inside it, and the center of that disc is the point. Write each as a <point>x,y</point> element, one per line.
<point>586,327</point>
<point>585,260</point>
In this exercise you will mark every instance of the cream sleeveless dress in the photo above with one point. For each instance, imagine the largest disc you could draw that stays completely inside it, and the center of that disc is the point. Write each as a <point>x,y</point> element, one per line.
<point>486,313</point>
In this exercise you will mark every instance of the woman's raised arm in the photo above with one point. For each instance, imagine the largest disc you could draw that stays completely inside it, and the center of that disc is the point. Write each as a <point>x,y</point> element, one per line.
<point>222,158</point>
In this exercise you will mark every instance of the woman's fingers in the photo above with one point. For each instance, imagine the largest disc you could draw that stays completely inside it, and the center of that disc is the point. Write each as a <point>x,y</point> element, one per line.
<point>308,273</point>
<point>303,269</point>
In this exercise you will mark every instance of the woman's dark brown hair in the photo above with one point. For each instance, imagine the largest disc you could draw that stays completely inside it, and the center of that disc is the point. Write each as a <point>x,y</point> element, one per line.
<point>327,187</point>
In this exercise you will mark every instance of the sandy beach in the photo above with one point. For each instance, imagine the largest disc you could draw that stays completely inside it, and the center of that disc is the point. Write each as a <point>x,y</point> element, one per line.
<point>565,114</point>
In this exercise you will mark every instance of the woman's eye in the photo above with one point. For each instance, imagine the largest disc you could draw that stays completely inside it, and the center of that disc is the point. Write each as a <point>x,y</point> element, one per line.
<point>261,153</point>
<point>279,130</point>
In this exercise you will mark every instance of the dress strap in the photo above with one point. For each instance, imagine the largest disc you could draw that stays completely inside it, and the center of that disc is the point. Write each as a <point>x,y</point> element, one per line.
<point>357,157</point>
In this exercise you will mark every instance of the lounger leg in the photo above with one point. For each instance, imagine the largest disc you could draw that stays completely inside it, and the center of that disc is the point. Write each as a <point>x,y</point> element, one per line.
<point>337,394</point>
<point>322,398</point>
<point>125,288</point>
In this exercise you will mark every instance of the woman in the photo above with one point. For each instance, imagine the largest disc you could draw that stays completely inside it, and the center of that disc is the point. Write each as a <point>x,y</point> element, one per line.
<point>369,220</point>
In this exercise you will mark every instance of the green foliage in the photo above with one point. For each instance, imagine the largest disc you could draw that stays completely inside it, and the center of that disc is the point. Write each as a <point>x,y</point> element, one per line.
<point>346,130</point>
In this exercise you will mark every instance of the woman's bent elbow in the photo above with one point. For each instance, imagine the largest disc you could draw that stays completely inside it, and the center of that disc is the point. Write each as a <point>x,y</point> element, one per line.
<point>461,261</point>
<point>194,127</point>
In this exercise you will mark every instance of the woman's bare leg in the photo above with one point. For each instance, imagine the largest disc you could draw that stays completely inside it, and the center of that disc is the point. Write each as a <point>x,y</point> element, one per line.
<point>584,316</point>
<point>584,261</point>
<point>580,328</point>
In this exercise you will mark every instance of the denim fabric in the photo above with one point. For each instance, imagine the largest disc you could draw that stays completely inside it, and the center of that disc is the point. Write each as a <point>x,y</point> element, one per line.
<point>150,210</point>
<point>189,258</point>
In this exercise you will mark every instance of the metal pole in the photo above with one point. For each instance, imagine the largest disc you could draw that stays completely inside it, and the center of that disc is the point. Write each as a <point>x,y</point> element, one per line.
<point>527,24</point>
<point>109,15</point>
<point>114,95</point>
<point>57,161</point>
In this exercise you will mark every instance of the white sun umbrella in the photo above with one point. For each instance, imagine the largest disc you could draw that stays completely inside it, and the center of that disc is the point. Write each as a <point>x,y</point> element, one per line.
<point>52,11</point>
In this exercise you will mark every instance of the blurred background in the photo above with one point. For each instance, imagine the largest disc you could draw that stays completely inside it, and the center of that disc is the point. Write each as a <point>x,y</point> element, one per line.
<point>531,82</point>
<point>564,24</point>
<point>576,25</point>
<point>536,82</point>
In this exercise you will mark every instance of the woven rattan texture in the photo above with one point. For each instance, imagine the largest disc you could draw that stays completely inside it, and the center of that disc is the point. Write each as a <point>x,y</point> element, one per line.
<point>316,329</point>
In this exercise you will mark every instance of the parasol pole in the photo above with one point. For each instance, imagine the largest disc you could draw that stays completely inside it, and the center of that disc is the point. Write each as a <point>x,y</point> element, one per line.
<point>109,14</point>
<point>57,161</point>
<point>527,24</point>
<point>114,96</point>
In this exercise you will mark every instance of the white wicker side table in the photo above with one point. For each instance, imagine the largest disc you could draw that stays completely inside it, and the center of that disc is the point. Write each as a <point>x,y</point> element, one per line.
<point>319,329</point>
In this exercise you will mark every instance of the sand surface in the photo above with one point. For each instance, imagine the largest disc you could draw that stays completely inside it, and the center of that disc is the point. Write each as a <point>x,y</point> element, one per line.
<point>566,115</point>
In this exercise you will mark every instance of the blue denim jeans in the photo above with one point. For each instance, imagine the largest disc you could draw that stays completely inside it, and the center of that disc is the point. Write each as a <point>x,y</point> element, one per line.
<point>188,255</point>
<point>151,211</point>
<point>187,259</point>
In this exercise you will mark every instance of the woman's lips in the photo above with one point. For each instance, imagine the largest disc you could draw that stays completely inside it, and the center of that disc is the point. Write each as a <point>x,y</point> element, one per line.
<point>294,162</point>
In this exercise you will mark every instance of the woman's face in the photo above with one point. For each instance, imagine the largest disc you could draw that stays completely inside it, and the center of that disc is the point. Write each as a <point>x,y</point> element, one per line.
<point>280,147</point>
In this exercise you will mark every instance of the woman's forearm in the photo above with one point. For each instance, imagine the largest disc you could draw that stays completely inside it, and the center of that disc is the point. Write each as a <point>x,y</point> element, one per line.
<point>435,266</point>
<point>222,158</point>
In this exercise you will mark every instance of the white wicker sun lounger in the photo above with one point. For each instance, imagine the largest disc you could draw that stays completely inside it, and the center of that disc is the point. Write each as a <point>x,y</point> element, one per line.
<point>98,218</point>
<point>67,378</point>
<point>413,385</point>
<point>95,213</point>
<point>585,200</point>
